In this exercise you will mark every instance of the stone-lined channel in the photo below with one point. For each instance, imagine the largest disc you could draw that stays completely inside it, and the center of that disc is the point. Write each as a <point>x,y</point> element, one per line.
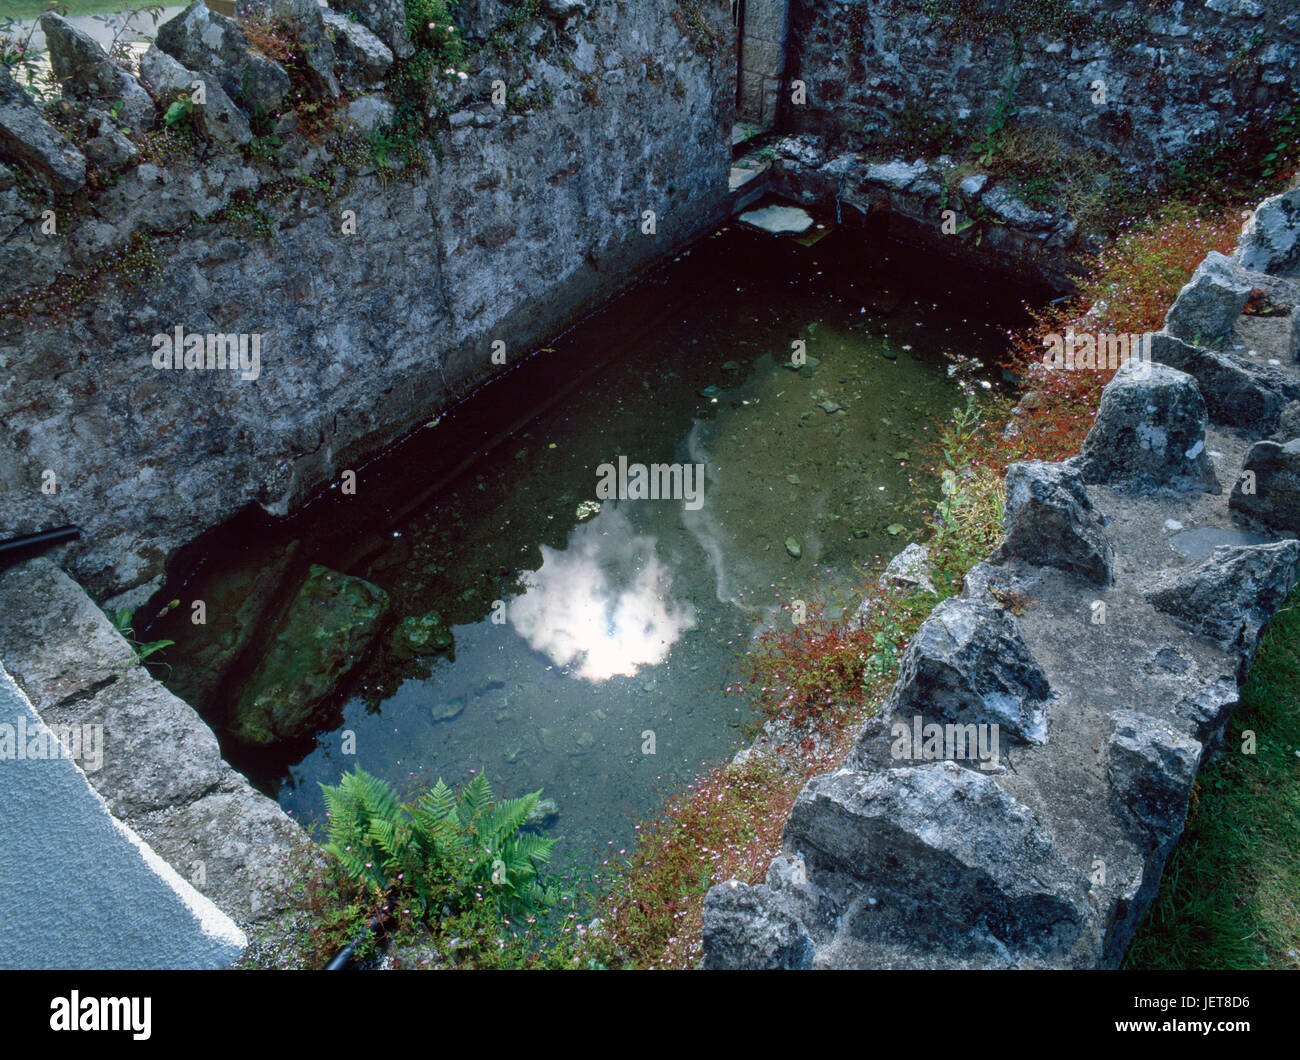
<point>575,636</point>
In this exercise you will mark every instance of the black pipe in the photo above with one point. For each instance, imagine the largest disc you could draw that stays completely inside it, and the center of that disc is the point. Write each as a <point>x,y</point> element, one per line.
<point>343,958</point>
<point>25,546</point>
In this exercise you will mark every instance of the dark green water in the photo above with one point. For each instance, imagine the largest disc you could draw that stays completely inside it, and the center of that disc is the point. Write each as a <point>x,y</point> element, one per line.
<point>629,621</point>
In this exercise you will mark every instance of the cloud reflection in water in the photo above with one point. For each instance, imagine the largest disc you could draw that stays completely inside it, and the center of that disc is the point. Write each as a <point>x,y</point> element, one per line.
<point>604,604</point>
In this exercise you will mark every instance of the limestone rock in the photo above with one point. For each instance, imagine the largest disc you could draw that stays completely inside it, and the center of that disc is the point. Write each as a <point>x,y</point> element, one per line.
<point>896,176</point>
<point>138,715</point>
<point>1149,433</point>
<point>110,148</point>
<point>64,666</point>
<point>563,9</point>
<point>479,18</point>
<point>217,119</point>
<point>387,18</point>
<point>1230,595</point>
<point>968,664</point>
<point>949,846</point>
<point>306,22</point>
<point>370,112</point>
<point>747,927</point>
<point>321,635</point>
<point>1211,301</point>
<point>1274,486</point>
<point>545,812</point>
<point>1050,521</point>
<point>1151,770</point>
<point>1006,204</point>
<point>86,72</point>
<point>1288,423</point>
<point>211,44</point>
<point>29,140</point>
<point>1247,397</point>
<point>362,57</point>
<point>1269,238</point>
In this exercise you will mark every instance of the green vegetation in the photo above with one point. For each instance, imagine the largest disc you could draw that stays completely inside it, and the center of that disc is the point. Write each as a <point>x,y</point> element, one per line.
<point>453,876</point>
<point>1230,897</point>
<point>442,855</point>
<point>122,623</point>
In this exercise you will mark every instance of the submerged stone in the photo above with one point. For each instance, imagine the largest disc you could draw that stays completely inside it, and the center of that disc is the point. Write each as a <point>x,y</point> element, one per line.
<point>793,547</point>
<point>421,635</point>
<point>779,220</point>
<point>327,627</point>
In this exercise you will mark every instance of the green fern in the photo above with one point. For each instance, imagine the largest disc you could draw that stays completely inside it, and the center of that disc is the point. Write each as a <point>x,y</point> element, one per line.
<point>443,851</point>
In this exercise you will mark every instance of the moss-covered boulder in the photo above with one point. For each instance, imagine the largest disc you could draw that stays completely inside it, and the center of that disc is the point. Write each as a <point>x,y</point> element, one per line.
<point>323,632</point>
<point>421,635</point>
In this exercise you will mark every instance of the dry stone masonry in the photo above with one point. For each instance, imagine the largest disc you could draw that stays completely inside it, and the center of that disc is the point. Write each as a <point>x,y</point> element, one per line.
<point>1127,657</point>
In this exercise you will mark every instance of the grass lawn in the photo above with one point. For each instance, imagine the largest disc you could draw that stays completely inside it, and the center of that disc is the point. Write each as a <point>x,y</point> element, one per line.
<point>1231,891</point>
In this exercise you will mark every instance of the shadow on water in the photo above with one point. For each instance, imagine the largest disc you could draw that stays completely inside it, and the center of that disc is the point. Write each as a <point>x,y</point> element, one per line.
<point>589,634</point>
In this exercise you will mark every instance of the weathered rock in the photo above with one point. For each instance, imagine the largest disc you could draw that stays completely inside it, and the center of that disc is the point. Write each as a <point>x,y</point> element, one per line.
<point>1247,397</point>
<point>959,855</point>
<point>137,714</point>
<point>1288,423</point>
<point>1295,333</point>
<point>1269,238</point>
<point>216,119</point>
<point>81,652</point>
<point>211,44</point>
<point>1268,488</point>
<point>29,140</point>
<point>968,664</point>
<point>85,71</point>
<point>110,148</point>
<point>1003,202</point>
<point>1151,769</point>
<point>306,23</point>
<point>479,18</point>
<point>242,840</point>
<point>564,9</point>
<point>1050,521</point>
<point>1230,596</point>
<point>1210,302</point>
<point>1149,433</point>
<point>747,927</point>
<point>322,633</point>
<point>910,569</point>
<point>387,18</point>
<point>545,812</point>
<point>896,176</point>
<point>362,57</point>
<point>421,635</point>
<point>370,112</point>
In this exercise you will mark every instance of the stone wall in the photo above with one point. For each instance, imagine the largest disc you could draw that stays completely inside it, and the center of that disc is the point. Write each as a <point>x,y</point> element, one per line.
<point>763,40</point>
<point>1100,649</point>
<point>533,213</point>
<point>1171,73</point>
